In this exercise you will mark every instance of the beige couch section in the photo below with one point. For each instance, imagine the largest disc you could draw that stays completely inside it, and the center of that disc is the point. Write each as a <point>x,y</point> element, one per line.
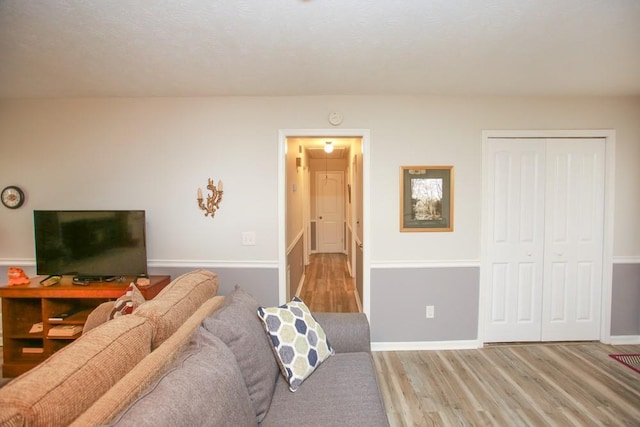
<point>175,303</point>
<point>65,385</point>
<point>146,372</point>
<point>73,380</point>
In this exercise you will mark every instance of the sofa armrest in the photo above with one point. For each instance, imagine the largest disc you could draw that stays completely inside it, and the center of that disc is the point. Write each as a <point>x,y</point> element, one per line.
<point>347,332</point>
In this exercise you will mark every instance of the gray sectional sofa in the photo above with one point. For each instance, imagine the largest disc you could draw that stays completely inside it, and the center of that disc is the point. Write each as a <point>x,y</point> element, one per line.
<point>189,357</point>
<point>229,375</point>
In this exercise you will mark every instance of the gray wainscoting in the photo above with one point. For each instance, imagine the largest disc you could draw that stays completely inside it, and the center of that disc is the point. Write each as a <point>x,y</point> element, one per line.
<point>399,297</point>
<point>262,283</point>
<point>625,300</point>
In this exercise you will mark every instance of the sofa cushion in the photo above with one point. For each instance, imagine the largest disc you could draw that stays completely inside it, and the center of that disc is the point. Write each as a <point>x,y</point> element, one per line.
<point>342,391</point>
<point>128,302</point>
<point>59,389</point>
<point>177,301</point>
<point>147,372</point>
<point>237,324</point>
<point>299,342</point>
<point>204,387</point>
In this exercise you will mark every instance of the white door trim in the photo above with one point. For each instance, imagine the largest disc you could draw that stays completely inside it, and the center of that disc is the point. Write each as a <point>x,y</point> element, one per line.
<point>609,198</point>
<point>283,134</point>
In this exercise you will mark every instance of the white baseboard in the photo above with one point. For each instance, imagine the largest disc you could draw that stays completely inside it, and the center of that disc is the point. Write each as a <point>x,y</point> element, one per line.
<point>625,339</point>
<point>425,345</point>
<point>626,260</point>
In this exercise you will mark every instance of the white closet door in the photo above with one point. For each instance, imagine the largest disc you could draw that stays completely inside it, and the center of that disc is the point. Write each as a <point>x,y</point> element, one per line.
<point>545,239</point>
<point>514,271</point>
<point>573,239</point>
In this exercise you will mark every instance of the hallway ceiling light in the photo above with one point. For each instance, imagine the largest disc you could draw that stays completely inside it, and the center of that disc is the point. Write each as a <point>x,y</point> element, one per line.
<point>328,147</point>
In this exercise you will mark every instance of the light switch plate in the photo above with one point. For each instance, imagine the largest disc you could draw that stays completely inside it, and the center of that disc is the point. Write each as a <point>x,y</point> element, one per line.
<point>248,238</point>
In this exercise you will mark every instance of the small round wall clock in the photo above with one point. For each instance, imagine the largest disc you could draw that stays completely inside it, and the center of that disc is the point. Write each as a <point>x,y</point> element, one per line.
<point>12,197</point>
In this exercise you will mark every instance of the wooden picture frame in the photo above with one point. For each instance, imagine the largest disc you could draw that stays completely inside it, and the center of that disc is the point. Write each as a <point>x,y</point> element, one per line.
<point>426,198</point>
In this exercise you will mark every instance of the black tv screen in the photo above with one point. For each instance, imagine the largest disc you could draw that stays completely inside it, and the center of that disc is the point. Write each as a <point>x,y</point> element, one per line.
<point>91,244</point>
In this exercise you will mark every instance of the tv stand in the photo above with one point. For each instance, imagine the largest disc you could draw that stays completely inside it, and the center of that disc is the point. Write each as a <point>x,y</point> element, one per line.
<point>26,306</point>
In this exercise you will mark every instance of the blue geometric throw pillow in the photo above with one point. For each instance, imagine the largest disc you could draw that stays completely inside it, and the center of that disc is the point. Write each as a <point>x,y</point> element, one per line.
<point>299,342</point>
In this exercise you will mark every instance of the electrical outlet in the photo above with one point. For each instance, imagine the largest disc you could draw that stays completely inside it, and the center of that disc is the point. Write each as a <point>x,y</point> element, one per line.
<point>430,312</point>
<point>248,238</point>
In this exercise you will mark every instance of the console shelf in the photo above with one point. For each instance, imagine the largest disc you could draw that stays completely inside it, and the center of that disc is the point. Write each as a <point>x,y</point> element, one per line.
<point>25,305</point>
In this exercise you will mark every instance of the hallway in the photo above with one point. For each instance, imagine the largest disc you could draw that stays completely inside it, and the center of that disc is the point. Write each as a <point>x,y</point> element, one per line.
<point>327,285</point>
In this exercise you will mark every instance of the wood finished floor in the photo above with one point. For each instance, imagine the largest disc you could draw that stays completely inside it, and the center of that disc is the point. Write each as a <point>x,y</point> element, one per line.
<point>572,384</point>
<point>327,285</point>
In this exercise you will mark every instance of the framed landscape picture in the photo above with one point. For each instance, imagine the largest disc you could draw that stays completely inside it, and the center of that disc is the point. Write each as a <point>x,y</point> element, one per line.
<point>426,198</point>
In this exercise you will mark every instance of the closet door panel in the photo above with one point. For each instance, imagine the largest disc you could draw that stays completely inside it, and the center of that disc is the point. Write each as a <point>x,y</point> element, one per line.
<point>573,239</point>
<point>515,240</point>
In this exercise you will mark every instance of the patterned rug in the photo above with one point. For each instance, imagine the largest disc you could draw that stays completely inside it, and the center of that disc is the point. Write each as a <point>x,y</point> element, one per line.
<point>630,360</point>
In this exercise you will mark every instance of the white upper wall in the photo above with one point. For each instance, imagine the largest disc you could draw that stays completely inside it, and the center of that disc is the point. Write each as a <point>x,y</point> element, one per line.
<point>153,154</point>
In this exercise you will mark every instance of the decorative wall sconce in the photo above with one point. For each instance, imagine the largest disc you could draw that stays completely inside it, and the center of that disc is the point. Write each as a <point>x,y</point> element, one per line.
<point>213,200</point>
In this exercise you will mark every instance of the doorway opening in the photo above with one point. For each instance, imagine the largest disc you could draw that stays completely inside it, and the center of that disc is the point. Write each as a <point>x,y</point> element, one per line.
<point>322,200</point>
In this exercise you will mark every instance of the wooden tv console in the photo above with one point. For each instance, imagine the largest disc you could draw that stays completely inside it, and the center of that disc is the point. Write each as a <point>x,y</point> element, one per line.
<point>26,305</point>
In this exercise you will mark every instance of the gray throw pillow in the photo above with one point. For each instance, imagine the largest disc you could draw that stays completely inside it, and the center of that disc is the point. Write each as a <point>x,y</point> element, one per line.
<point>238,326</point>
<point>203,388</point>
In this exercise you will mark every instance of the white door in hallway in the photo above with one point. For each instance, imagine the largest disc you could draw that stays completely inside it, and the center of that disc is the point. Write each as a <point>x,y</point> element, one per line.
<point>543,269</point>
<point>330,211</point>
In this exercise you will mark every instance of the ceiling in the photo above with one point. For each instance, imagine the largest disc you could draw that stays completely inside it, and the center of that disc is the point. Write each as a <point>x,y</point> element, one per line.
<point>114,48</point>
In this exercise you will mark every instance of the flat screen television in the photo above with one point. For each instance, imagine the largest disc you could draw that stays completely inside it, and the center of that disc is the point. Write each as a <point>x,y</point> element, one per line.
<point>91,245</point>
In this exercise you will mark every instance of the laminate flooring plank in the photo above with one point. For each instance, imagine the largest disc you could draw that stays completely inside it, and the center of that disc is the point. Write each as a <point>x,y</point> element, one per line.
<point>497,389</point>
<point>609,390</point>
<point>327,285</point>
<point>563,384</point>
<point>565,389</point>
<point>404,399</point>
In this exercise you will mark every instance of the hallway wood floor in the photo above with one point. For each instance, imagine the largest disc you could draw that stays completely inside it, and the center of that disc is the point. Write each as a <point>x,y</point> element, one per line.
<point>327,285</point>
<point>569,384</point>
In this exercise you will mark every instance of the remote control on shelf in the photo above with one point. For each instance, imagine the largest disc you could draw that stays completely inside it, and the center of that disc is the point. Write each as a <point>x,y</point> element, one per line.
<point>50,281</point>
